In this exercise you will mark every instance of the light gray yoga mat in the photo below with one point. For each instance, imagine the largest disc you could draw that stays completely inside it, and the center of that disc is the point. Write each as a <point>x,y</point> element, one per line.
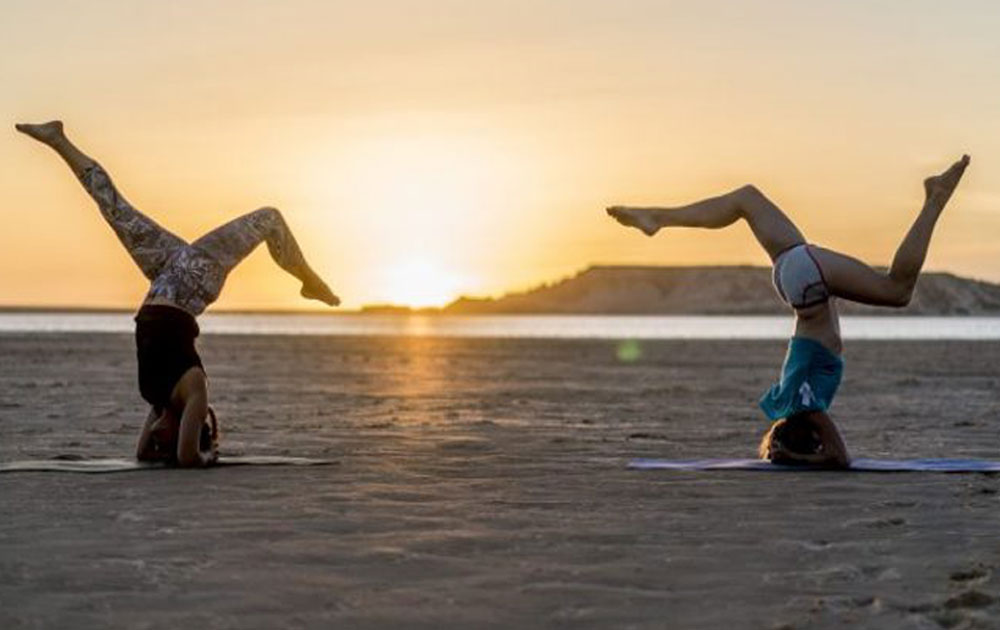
<point>97,466</point>
<point>861,465</point>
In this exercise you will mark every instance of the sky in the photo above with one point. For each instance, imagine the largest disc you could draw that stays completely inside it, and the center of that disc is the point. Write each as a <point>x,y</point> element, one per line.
<point>426,149</point>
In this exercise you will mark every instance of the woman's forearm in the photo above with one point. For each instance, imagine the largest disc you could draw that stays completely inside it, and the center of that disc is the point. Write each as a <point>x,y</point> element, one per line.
<point>143,444</point>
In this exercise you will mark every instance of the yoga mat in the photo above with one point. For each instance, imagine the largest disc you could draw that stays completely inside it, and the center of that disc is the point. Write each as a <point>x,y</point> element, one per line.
<point>860,465</point>
<point>98,466</point>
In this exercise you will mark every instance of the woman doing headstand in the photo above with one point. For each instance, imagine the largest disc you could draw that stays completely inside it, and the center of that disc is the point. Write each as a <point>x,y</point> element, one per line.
<point>185,278</point>
<point>807,277</point>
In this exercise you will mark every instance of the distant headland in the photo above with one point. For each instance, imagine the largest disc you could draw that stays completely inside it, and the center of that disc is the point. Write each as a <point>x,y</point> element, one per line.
<point>735,290</point>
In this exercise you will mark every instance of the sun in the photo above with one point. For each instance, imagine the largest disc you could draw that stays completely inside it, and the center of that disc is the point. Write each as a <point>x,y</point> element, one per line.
<point>423,208</point>
<point>421,283</point>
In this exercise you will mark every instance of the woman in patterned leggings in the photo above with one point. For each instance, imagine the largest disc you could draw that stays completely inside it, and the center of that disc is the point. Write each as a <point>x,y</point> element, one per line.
<point>185,278</point>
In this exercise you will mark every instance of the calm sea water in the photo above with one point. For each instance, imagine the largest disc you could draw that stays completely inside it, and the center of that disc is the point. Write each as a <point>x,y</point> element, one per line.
<point>522,326</point>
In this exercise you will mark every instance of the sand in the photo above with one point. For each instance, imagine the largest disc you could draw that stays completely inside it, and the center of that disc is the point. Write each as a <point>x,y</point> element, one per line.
<point>482,483</point>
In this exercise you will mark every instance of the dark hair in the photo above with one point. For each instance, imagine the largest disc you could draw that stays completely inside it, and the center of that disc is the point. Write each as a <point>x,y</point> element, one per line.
<point>795,433</point>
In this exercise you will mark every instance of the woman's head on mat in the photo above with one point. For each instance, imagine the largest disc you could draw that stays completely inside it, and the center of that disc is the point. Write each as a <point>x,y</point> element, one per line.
<point>791,435</point>
<point>804,438</point>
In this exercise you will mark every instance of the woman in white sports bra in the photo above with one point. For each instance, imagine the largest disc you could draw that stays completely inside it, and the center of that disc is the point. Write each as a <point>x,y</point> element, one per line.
<point>806,277</point>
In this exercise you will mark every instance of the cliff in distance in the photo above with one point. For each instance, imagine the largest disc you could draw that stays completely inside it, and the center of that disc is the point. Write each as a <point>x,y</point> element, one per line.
<point>623,290</point>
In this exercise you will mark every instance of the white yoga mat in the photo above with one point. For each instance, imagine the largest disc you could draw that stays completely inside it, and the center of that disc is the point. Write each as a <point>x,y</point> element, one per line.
<point>861,465</point>
<point>97,466</point>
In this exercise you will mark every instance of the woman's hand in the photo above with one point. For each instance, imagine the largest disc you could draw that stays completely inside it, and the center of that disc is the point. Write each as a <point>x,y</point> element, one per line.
<point>158,440</point>
<point>212,455</point>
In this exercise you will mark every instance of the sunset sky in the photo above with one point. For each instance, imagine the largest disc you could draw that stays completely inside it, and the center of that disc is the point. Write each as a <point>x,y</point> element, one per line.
<point>426,149</point>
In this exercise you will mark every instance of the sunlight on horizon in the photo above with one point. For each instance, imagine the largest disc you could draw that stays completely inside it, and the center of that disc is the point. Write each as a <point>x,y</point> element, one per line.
<point>421,283</point>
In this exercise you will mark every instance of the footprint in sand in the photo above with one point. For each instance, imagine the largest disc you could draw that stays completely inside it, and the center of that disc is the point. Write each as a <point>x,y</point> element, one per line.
<point>965,610</point>
<point>975,575</point>
<point>878,523</point>
<point>643,435</point>
<point>969,599</point>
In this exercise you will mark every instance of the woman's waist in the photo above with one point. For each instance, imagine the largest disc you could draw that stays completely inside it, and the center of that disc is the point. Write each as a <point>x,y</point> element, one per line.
<point>159,299</point>
<point>159,317</point>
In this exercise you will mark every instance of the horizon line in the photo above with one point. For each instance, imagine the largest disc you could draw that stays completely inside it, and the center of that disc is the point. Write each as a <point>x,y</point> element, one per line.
<point>376,308</point>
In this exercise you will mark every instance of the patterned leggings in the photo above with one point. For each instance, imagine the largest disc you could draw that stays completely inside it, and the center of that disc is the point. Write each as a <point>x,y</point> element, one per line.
<point>191,275</point>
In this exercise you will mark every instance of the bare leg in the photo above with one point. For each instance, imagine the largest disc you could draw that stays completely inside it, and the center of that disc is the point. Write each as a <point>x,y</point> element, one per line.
<point>852,279</point>
<point>232,242</point>
<point>149,245</point>
<point>773,230</point>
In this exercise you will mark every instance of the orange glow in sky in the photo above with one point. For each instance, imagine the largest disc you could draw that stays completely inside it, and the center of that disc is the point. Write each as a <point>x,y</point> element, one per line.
<point>422,151</point>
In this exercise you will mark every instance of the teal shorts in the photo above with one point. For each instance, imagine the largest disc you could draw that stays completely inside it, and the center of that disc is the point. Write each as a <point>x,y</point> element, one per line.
<point>809,380</point>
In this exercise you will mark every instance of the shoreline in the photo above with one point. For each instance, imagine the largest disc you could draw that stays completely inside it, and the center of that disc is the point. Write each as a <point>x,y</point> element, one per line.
<point>616,328</point>
<point>405,311</point>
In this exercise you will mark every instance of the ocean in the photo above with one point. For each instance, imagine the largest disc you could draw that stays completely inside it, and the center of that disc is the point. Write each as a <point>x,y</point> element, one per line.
<point>518,326</point>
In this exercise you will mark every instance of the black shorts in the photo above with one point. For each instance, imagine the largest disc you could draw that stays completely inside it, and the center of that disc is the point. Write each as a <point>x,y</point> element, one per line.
<point>164,343</point>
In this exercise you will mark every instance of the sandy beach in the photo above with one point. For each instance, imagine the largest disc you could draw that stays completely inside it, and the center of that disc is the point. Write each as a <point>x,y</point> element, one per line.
<point>482,483</point>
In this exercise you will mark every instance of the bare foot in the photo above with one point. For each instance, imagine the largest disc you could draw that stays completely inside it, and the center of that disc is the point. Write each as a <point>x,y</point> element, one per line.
<point>316,289</point>
<point>940,187</point>
<point>44,132</point>
<point>638,218</point>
